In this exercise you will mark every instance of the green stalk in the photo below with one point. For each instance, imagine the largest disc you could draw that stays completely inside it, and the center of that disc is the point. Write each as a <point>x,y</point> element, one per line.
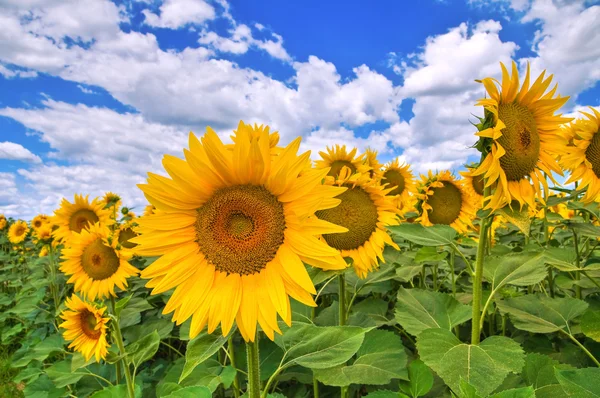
<point>587,352</point>
<point>453,276</point>
<point>253,369</point>
<point>343,309</point>
<point>577,274</point>
<point>119,340</point>
<point>546,239</point>
<point>236,382</point>
<point>478,277</point>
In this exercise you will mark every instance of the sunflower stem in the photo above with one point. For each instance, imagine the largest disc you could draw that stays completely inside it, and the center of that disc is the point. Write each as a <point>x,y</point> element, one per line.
<point>119,340</point>
<point>253,368</point>
<point>343,309</point>
<point>577,274</point>
<point>478,277</point>
<point>236,382</point>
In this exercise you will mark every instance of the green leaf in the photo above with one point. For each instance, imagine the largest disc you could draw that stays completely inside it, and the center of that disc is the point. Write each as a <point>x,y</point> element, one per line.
<point>586,229</point>
<point>380,359</point>
<point>580,383</point>
<point>121,304</point>
<point>385,394</point>
<point>417,310</point>
<point>143,349</point>
<point>428,254</point>
<point>561,258</point>
<point>39,352</point>
<point>521,269</point>
<point>191,392</point>
<point>542,314</point>
<point>200,349</point>
<point>131,314</point>
<point>539,373</point>
<point>523,392</point>
<point>163,326</point>
<point>590,324</point>
<point>209,373</point>
<point>118,391</point>
<point>420,379</point>
<point>42,387</point>
<point>408,272</point>
<point>61,374</point>
<point>485,366</point>
<point>437,235</point>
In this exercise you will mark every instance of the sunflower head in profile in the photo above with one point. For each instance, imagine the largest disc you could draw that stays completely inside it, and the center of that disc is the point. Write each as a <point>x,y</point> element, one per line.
<point>442,199</point>
<point>474,185</point>
<point>72,218</point>
<point>520,137</point>
<point>3,222</point>
<point>149,210</point>
<point>400,180</point>
<point>85,327</point>
<point>233,227</point>
<point>39,221</point>
<point>18,232</point>
<point>370,160</point>
<point>249,132</point>
<point>337,158</point>
<point>125,233</point>
<point>111,199</point>
<point>582,158</point>
<point>365,212</point>
<point>94,263</point>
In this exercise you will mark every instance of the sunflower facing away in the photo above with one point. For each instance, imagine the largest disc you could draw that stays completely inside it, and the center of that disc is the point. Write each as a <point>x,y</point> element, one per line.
<point>85,327</point>
<point>338,157</point>
<point>72,218</point>
<point>94,265</point>
<point>38,221</point>
<point>365,211</point>
<point>233,227</point>
<point>441,199</point>
<point>583,157</point>
<point>371,160</point>
<point>524,138</point>
<point>399,177</point>
<point>111,200</point>
<point>474,185</point>
<point>18,232</point>
<point>3,222</point>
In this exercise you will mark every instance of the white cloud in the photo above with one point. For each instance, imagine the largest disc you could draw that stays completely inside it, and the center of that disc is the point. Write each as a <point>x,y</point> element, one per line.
<point>85,90</point>
<point>175,14</point>
<point>11,73</point>
<point>14,151</point>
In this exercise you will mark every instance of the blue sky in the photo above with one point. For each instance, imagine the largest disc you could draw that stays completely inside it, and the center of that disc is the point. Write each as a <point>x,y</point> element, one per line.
<point>94,92</point>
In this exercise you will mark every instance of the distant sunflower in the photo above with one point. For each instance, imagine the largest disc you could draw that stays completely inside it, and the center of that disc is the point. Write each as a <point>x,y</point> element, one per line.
<point>44,233</point>
<point>111,200</point>
<point>474,185</point>
<point>371,160</point>
<point>3,222</point>
<point>233,227</point>
<point>18,232</point>
<point>583,157</point>
<point>338,157</point>
<point>399,177</point>
<point>249,132</point>
<point>524,138</point>
<point>44,251</point>
<point>38,221</point>
<point>72,218</point>
<point>149,210</point>
<point>365,212</point>
<point>125,233</point>
<point>94,265</point>
<point>441,199</point>
<point>86,328</point>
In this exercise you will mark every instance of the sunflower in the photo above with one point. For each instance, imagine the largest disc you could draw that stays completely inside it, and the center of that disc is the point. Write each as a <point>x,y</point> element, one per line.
<point>72,218</point>
<point>248,132</point>
<point>365,211</point>
<point>442,199</point>
<point>149,210</point>
<point>400,178</point>
<point>95,264</point>
<point>18,232</point>
<point>370,160</point>
<point>524,137</point>
<point>44,233</point>
<point>38,221</point>
<point>233,227</point>
<point>474,185</point>
<point>3,222</point>
<point>583,157</point>
<point>125,233</point>
<point>337,158</point>
<point>44,251</point>
<point>111,200</point>
<point>85,327</point>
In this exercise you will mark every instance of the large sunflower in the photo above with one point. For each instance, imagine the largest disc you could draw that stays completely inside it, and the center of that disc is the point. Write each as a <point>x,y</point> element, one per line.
<point>399,177</point>
<point>524,138</point>
<point>85,327</point>
<point>338,157</point>
<point>38,221</point>
<point>233,227</point>
<point>442,199</point>
<point>72,218</point>
<point>365,211</point>
<point>94,264</point>
<point>3,222</point>
<point>18,232</point>
<point>583,157</point>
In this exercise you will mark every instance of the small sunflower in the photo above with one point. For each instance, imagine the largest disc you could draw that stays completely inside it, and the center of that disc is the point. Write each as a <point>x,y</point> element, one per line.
<point>338,157</point>
<point>86,328</point>
<point>524,138</point>
<point>94,264</point>
<point>474,185</point>
<point>149,210</point>
<point>72,218</point>
<point>365,212</point>
<point>583,157</point>
<point>18,232</point>
<point>43,234</point>
<point>111,200</point>
<point>371,161</point>
<point>3,222</point>
<point>400,178</point>
<point>44,251</point>
<point>38,221</point>
<point>233,227</point>
<point>442,199</point>
<point>125,233</point>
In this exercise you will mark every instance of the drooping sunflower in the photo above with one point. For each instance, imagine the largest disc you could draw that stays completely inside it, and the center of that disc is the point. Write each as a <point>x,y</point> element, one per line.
<point>583,157</point>
<point>400,178</point>
<point>72,218</point>
<point>338,157</point>
<point>111,200</point>
<point>524,138</point>
<point>3,222</point>
<point>233,227</point>
<point>18,232</point>
<point>94,265</point>
<point>442,199</point>
<point>38,221</point>
<point>85,327</point>
<point>474,185</point>
<point>365,212</point>
<point>371,160</point>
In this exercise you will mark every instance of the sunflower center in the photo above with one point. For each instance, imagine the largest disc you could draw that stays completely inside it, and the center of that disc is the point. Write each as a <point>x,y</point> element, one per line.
<point>592,154</point>
<point>20,230</point>
<point>240,228</point>
<point>358,213</point>
<point>124,237</point>
<point>395,180</point>
<point>99,261</point>
<point>37,224</point>
<point>520,139</point>
<point>445,204</point>
<point>337,165</point>
<point>88,324</point>
<point>477,182</point>
<point>81,219</point>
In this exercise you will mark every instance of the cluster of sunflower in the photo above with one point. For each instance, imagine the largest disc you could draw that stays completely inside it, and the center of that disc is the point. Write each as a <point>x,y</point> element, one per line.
<point>40,231</point>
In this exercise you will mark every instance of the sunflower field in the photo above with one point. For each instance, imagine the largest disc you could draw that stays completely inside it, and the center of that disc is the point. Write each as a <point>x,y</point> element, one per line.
<point>256,272</point>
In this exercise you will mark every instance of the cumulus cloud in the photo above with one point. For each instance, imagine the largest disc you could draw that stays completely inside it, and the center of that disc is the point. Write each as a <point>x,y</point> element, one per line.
<point>14,151</point>
<point>175,14</point>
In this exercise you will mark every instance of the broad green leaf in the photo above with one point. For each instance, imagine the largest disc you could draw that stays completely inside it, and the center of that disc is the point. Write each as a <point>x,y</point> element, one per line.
<point>518,217</point>
<point>161,325</point>
<point>542,314</point>
<point>43,387</point>
<point>374,308</point>
<point>523,392</point>
<point>485,366</point>
<point>406,273</point>
<point>40,351</point>
<point>380,359</point>
<point>200,349</point>
<point>385,394</point>
<point>131,314</point>
<point>143,349</point>
<point>420,379</point>
<point>191,392</point>
<point>586,229</point>
<point>561,258</point>
<point>209,373</point>
<point>118,391</point>
<point>590,324</point>
<point>61,375</point>
<point>521,269</point>
<point>429,254</point>
<point>122,304</point>
<point>78,361</point>
<point>580,383</point>
<point>417,310</point>
<point>539,373</point>
<point>437,235</point>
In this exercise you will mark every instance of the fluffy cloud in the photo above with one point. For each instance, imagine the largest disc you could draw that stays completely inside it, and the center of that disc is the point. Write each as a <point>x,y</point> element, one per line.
<point>13,151</point>
<point>175,14</point>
